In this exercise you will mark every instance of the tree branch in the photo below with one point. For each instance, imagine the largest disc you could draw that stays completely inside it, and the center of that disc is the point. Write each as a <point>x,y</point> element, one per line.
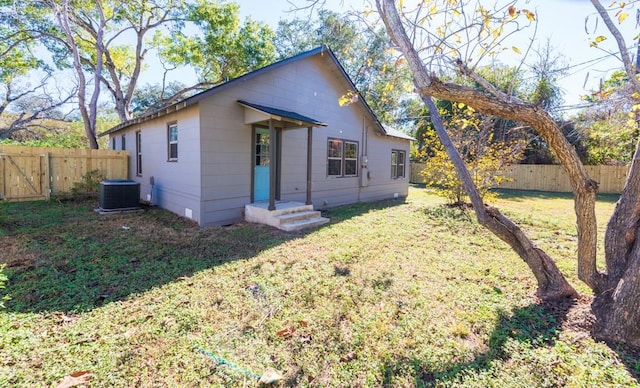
<point>509,107</point>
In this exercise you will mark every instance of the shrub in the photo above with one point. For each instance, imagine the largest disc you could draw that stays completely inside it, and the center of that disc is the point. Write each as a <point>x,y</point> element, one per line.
<point>3,281</point>
<point>89,186</point>
<point>486,158</point>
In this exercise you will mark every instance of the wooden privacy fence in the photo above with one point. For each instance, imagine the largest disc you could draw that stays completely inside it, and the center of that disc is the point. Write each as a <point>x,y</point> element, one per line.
<point>546,177</point>
<point>35,173</point>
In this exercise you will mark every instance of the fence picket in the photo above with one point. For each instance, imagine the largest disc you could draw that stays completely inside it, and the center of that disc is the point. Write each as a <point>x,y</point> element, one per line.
<point>38,172</point>
<point>611,179</point>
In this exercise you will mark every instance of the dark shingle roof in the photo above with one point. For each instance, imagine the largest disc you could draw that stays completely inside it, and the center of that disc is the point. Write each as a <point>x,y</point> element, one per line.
<point>284,113</point>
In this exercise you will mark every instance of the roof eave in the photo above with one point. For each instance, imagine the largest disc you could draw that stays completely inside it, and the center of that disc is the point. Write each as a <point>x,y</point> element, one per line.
<point>216,89</point>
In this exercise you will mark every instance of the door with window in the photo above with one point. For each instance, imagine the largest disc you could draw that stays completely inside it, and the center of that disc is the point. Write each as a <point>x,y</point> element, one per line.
<point>261,165</point>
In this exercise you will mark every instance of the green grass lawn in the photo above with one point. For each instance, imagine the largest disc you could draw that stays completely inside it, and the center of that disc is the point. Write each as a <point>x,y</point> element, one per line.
<point>388,294</point>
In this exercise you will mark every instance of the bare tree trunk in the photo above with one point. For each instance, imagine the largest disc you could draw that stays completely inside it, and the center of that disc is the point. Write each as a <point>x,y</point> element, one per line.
<point>616,310</point>
<point>616,307</point>
<point>88,113</point>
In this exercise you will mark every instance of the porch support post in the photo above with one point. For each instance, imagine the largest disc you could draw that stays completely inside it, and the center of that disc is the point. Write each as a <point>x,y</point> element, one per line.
<point>309,161</point>
<point>272,166</point>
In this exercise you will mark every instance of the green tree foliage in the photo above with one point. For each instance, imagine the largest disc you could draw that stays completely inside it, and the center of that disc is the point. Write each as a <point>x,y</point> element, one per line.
<point>107,44</point>
<point>30,97</point>
<point>152,96</point>
<point>538,86</point>
<point>375,70</point>
<point>216,44</point>
<point>507,78</point>
<point>609,126</point>
<point>62,134</point>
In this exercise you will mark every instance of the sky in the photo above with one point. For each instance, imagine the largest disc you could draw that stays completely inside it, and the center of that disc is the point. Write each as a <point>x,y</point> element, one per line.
<point>563,22</point>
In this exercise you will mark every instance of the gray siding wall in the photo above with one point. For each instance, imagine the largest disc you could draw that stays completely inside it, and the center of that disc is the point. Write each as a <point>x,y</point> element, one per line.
<point>213,175</point>
<point>351,123</point>
<point>305,87</point>
<point>176,184</point>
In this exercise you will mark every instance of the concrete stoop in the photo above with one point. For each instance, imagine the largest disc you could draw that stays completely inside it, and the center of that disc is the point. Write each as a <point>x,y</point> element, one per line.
<point>288,216</point>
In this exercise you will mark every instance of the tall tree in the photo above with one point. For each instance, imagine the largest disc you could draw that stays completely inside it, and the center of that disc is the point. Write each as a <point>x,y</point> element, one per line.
<point>107,42</point>
<point>97,36</point>
<point>216,45</point>
<point>27,93</point>
<point>617,289</point>
<point>65,16</point>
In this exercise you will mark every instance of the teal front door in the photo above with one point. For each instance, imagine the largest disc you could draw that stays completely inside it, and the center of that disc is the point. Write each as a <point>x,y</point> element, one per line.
<point>261,165</point>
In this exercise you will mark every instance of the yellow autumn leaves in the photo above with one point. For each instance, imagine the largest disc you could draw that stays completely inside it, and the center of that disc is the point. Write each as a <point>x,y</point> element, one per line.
<point>513,13</point>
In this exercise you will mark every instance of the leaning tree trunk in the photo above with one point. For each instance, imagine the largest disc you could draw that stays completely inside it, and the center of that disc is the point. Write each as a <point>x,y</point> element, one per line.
<point>617,302</point>
<point>551,283</point>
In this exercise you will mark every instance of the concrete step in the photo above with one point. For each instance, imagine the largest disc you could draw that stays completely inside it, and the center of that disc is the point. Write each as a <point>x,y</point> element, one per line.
<point>303,224</point>
<point>298,216</point>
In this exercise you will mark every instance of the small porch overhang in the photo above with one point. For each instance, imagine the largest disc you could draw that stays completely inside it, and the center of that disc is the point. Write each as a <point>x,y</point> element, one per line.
<point>261,114</point>
<point>278,120</point>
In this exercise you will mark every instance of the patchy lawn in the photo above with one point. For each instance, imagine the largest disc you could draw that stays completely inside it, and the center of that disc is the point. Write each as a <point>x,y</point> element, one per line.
<point>388,294</point>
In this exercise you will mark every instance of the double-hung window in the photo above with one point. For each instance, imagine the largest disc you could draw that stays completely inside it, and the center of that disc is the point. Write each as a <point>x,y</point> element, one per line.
<point>172,137</point>
<point>398,158</point>
<point>138,153</point>
<point>342,158</point>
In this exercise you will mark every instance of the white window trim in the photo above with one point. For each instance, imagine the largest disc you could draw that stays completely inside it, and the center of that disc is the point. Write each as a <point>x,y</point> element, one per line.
<point>343,158</point>
<point>172,142</point>
<point>138,153</point>
<point>394,166</point>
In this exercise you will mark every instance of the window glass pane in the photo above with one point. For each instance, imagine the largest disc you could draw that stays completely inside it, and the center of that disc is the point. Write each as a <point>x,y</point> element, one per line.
<point>173,133</point>
<point>335,148</point>
<point>400,171</point>
<point>262,149</point>
<point>350,167</point>
<point>400,157</point>
<point>173,151</point>
<point>350,150</point>
<point>394,157</point>
<point>335,167</point>
<point>138,153</point>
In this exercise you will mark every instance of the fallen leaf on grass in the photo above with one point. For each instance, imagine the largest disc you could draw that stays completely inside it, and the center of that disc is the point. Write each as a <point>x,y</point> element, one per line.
<point>269,376</point>
<point>84,341</point>
<point>286,332</point>
<point>64,318</point>
<point>75,379</point>
<point>348,357</point>
<point>290,329</point>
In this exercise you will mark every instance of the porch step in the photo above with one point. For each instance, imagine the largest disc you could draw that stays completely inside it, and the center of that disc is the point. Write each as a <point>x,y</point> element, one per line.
<point>288,216</point>
<point>303,224</point>
<point>298,216</point>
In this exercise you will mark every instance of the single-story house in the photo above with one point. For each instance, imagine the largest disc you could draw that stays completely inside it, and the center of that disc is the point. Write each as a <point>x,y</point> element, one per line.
<point>272,139</point>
